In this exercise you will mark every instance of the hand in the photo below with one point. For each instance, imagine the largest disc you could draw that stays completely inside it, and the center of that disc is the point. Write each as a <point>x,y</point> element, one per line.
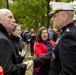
<point>27,62</point>
<point>28,39</point>
<point>30,63</point>
<point>22,53</point>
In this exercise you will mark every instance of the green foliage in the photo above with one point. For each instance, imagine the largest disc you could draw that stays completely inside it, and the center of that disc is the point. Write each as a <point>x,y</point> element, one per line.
<point>2,3</point>
<point>29,13</point>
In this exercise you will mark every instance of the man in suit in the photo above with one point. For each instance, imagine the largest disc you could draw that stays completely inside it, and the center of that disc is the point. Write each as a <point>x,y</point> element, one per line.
<point>63,56</point>
<point>8,57</point>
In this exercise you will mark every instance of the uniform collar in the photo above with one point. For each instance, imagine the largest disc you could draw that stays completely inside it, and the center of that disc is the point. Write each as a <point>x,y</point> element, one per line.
<point>67,26</point>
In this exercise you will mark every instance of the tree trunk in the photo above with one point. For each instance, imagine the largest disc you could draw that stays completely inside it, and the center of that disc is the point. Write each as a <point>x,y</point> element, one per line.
<point>7,4</point>
<point>48,11</point>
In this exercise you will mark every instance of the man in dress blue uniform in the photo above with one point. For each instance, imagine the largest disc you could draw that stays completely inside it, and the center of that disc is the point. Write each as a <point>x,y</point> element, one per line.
<point>63,56</point>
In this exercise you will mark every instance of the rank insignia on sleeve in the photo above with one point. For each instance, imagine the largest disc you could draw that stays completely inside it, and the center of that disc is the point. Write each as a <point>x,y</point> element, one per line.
<point>53,56</point>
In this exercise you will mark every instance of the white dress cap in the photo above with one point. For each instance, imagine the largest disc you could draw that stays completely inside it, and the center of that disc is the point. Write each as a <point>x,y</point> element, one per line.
<point>56,6</point>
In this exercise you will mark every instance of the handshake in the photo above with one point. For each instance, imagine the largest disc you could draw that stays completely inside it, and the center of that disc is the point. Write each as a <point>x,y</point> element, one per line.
<point>28,64</point>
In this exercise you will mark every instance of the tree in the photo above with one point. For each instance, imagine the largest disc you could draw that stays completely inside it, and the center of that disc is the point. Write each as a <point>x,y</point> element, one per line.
<point>30,13</point>
<point>48,11</point>
<point>2,4</point>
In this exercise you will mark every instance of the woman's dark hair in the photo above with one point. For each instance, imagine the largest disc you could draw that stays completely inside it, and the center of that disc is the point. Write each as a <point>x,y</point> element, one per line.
<point>38,36</point>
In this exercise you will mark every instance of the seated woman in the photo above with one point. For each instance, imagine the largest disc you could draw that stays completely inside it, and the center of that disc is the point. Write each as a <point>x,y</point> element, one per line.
<point>15,38</point>
<point>42,46</point>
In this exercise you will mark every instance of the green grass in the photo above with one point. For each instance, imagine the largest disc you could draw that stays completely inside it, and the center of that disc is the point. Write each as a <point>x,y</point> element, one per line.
<point>30,70</point>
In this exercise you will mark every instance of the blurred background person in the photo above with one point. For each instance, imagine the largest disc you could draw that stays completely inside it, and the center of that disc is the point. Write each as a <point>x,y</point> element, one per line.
<point>33,36</point>
<point>15,38</point>
<point>27,38</point>
<point>42,46</point>
<point>21,36</point>
<point>51,33</point>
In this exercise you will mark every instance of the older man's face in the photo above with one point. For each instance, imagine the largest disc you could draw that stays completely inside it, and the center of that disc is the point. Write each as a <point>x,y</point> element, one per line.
<point>58,19</point>
<point>7,20</point>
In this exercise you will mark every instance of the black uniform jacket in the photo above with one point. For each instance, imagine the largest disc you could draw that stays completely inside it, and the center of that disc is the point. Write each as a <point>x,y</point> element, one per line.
<point>8,58</point>
<point>63,55</point>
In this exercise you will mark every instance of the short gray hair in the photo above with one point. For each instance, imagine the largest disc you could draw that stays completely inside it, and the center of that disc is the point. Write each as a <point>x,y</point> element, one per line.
<point>70,14</point>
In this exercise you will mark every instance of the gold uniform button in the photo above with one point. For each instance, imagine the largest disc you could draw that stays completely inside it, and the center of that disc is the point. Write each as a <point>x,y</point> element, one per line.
<point>53,56</point>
